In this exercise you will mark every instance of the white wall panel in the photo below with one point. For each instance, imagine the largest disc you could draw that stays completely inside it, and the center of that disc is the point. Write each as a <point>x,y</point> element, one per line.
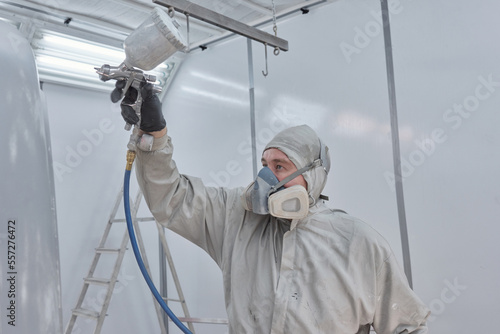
<point>30,282</point>
<point>448,84</point>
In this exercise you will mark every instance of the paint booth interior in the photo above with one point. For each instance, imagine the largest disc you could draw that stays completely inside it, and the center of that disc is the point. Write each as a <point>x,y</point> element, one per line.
<point>409,110</point>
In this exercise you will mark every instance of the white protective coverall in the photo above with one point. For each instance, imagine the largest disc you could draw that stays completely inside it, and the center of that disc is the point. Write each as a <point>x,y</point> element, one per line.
<point>326,273</point>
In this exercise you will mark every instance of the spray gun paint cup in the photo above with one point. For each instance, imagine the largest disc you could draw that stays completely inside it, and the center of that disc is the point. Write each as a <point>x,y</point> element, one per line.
<point>153,42</point>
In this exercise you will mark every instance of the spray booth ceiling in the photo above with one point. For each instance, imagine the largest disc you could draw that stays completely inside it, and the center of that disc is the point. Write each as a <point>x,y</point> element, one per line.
<point>70,38</point>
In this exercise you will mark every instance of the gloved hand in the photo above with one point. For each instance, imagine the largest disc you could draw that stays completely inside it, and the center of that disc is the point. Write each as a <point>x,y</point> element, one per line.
<point>151,109</point>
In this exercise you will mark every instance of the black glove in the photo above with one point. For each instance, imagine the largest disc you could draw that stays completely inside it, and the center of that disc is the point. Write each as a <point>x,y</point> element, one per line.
<point>151,112</point>
<point>151,109</point>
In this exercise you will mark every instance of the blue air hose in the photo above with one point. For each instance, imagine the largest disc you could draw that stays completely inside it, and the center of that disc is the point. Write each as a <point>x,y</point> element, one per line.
<point>133,241</point>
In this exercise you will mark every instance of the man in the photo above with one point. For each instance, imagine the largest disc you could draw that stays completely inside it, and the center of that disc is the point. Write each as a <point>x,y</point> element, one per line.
<point>289,263</point>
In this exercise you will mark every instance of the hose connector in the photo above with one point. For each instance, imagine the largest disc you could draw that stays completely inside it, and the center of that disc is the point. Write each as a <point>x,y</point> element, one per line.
<point>130,159</point>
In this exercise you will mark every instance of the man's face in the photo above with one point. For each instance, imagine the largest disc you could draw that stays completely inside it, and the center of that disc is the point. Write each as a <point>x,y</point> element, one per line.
<point>281,166</point>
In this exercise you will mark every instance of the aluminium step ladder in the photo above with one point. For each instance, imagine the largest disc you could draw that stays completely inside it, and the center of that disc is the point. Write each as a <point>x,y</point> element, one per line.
<point>109,283</point>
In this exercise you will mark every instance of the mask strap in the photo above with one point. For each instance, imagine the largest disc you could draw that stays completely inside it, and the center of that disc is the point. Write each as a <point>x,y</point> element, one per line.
<point>292,176</point>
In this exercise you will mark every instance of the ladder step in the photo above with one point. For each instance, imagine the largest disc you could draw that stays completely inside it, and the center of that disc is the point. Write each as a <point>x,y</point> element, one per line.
<point>97,281</point>
<point>123,220</point>
<point>82,312</point>
<point>145,219</point>
<point>204,320</point>
<point>107,250</point>
<point>173,300</point>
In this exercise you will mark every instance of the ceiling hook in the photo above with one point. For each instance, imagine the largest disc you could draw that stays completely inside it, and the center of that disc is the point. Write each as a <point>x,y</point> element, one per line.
<point>266,72</point>
<point>171,12</point>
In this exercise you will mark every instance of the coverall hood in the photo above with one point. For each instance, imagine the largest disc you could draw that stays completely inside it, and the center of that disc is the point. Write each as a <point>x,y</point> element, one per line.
<point>302,146</point>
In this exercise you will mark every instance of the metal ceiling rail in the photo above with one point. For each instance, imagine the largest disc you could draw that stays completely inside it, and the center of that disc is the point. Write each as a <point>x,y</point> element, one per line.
<point>288,12</point>
<point>219,20</point>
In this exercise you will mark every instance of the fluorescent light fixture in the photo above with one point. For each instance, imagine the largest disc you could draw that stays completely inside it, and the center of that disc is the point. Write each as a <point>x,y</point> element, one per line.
<point>68,60</point>
<point>66,43</point>
<point>65,64</point>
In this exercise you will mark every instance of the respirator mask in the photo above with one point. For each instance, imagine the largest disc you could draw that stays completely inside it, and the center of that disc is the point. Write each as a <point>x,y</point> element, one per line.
<point>267,195</point>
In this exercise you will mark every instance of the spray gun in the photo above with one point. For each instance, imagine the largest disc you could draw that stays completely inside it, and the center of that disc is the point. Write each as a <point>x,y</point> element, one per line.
<point>153,42</point>
<point>133,78</point>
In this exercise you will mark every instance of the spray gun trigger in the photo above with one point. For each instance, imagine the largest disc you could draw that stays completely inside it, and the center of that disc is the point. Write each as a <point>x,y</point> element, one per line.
<point>116,95</point>
<point>127,86</point>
